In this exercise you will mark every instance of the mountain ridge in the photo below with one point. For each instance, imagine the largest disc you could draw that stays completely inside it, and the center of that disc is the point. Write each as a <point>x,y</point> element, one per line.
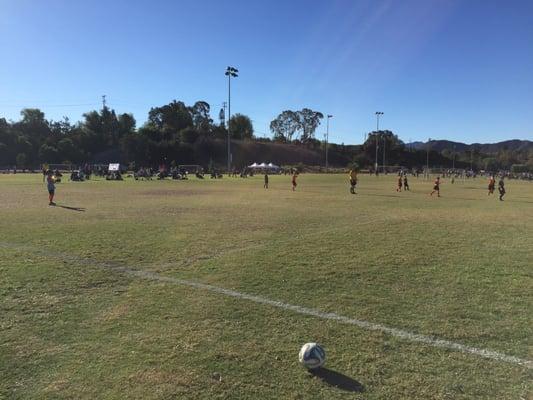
<point>488,148</point>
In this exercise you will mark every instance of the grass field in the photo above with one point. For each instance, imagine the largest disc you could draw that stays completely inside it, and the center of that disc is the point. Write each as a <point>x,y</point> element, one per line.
<point>77,322</point>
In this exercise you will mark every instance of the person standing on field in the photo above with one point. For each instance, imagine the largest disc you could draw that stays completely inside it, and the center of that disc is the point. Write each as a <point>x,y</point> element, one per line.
<point>50,183</point>
<point>436,187</point>
<point>353,180</point>
<point>399,188</point>
<point>405,183</point>
<point>492,184</point>
<point>266,181</point>
<point>294,176</point>
<point>501,188</point>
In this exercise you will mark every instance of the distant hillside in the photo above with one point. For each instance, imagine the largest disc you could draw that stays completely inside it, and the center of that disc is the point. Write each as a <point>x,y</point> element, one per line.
<point>487,148</point>
<point>244,152</point>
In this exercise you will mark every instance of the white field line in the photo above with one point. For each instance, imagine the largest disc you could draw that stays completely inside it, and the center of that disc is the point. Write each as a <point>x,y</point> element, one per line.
<point>399,333</point>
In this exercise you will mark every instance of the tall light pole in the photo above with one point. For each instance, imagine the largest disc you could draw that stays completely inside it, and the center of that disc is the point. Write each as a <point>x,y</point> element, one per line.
<point>327,138</point>
<point>230,73</point>
<point>378,113</point>
<point>453,158</point>
<point>384,143</point>
<point>427,158</point>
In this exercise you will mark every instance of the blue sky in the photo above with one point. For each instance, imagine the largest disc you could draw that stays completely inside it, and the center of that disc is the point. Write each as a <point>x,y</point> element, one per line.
<point>445,69</point>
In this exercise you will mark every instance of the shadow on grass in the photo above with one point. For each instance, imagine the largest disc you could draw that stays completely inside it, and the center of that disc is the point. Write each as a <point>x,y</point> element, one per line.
<point>81,209</point>
<point>337,380</point>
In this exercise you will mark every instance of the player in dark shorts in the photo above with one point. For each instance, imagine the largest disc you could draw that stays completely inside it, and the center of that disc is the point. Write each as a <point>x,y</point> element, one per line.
<point>436,187</point>
<point>501,188</point>
<point>266,181</point>
<point>50,184</point>
<point>405,183</point>
<point>492,185</point>
<point>294,176</point>
<point>399,188</point>
<point>353,180</point>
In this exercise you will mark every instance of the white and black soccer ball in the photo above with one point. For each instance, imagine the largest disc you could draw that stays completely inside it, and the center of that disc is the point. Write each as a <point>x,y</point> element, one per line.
<point>312,355</point>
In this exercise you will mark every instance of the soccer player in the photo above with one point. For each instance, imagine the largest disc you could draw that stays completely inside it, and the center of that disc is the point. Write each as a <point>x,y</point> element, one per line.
<point>501,188</point>
<point>266,181</point>
<point>50,183</point>
<point>492,184</point>
<point>399,188</point>
<point>294,176</point>
<point>436,187</point>
<point>405,183</point>
<point>353,180</point>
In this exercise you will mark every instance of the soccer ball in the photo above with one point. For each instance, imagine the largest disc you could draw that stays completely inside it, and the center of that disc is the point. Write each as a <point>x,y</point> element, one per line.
<point>312,355</point>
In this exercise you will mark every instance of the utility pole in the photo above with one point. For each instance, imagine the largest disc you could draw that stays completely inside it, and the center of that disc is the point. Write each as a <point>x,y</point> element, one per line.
<point>327,138</point>
<point>230,72</point>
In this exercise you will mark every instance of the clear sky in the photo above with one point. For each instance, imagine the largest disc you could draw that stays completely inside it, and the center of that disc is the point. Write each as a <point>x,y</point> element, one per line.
<point>445,69</point>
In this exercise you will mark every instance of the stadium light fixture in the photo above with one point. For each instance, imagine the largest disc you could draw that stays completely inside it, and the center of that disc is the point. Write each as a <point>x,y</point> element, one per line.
<point>231,72</point>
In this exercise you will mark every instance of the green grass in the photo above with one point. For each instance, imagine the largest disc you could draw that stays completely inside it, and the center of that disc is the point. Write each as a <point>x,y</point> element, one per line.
<point>456,267</point>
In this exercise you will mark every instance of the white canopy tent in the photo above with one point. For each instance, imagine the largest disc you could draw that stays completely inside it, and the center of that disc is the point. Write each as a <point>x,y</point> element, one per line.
<point>264,166</point>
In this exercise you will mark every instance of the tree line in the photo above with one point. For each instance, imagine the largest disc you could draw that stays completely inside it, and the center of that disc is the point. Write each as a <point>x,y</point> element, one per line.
<point>171,131</point>
<point>188,134</point>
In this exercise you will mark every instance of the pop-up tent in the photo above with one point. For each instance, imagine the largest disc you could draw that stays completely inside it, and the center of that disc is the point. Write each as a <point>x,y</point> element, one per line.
<point>264,167</point>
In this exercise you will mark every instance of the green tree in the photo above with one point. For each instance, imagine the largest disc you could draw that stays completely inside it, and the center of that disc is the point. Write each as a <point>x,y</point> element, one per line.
<point>289,123</point>
<point>4,154</point>
<point>126,124</point>
<point>21,160</point>
<point>285,126</point>
<point>189,135</point>
<point>241,127</point>
<point>200,116</point>
<point>32,130</point>
<point>170,118</point>
<point>491,164</point>
<point>68,151</point>
<point>309,121</point>
<point>48,154</point>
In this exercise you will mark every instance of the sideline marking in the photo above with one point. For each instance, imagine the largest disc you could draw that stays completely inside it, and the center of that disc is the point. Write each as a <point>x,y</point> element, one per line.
<point>399,333</point>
